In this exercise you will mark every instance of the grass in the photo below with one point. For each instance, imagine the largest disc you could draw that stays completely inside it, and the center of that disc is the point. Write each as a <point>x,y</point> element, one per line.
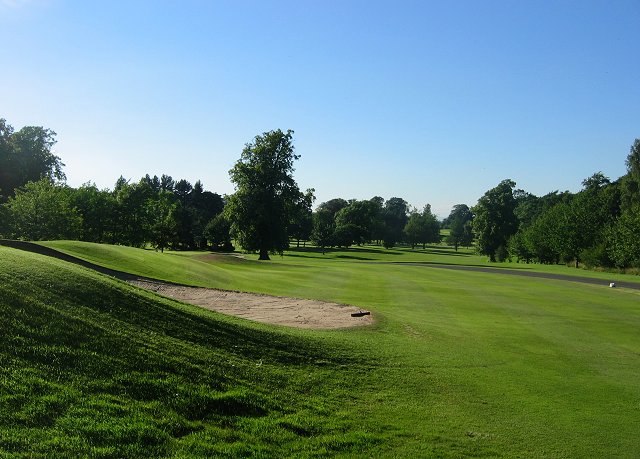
<point>460,364</point>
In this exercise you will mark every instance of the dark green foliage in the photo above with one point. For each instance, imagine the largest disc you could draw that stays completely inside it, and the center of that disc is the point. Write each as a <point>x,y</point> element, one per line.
<point>25,156</point>
<point>43,211</point>
<point>360,218</point>
<point>495,221</point>
<point>395,216</point>
<point>623,239</point>
<point>163,224</point>
<point>266,193</point>
<point>323,228</point>
<point>422,228</point>
<point>301,222</point>
<point>459,212</point>
<point>218,233</point>
<point>456,233</point>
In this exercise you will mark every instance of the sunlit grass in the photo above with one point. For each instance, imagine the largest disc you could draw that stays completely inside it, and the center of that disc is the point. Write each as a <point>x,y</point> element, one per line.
<point>459,363</point>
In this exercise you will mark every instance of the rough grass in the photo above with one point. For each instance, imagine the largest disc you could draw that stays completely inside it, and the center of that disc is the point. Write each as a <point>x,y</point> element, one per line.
<point>461,364</point>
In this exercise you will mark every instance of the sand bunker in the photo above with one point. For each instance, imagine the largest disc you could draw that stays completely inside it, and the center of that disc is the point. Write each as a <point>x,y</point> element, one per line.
<point>293,312</point>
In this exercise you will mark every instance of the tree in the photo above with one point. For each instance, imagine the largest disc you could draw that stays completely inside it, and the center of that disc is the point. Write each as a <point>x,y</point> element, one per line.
<point>217,232</point>
<point>395,216</point>
<point>26,156</point>
<point>422,228</point>
<point>623,243</point>
<point>456,233</point>
<point>43,211</point>
<point>323,228</point>
<point>332,206</point>
<point>360,216</point>
<point>130,222</point>
<point>161,220</point>
<point>266,192</point>
<point>96,208</point>
<point>301,223</point>
<point>459,212</point>
<point>495,221</point>
<point>631,181</point>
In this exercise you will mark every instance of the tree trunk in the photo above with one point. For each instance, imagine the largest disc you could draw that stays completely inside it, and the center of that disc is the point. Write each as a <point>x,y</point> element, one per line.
<point>264,255</point>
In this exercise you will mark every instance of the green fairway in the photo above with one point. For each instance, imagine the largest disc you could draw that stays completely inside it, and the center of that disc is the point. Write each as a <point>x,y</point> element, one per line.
<point>459,364</point>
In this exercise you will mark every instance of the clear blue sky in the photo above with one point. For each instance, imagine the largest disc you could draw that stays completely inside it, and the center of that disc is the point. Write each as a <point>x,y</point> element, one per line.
<point>434,102</point>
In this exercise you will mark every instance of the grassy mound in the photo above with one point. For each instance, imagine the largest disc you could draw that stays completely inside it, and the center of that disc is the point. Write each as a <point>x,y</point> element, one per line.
<point>93,367</point>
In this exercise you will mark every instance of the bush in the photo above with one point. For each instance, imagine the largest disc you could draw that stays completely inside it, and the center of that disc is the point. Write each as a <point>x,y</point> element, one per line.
<point>596,256</point>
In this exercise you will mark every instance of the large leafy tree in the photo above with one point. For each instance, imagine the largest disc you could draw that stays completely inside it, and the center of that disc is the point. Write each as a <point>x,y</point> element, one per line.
<point>44,211</point>
<point>265,195</point>
<point>26,156</point>
<point>495,221</point>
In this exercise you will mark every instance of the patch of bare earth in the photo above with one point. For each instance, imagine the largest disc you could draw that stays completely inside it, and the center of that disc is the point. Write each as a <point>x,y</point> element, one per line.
<point>293,312</point>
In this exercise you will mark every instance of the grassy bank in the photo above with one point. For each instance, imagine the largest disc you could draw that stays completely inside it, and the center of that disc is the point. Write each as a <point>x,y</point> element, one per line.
<point>460,364</point>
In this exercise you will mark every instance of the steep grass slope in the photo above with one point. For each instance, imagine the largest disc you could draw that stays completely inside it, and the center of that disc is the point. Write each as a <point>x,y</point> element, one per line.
<point>93,367</point>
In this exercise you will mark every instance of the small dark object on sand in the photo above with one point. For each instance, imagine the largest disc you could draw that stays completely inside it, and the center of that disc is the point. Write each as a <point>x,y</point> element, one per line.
<point>360,314</point>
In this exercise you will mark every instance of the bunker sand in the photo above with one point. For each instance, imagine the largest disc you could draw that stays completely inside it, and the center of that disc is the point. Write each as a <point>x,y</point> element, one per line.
<point>292,312</point>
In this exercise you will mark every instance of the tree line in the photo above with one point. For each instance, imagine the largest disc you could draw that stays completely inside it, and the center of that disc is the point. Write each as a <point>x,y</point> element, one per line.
<point>597,226</point>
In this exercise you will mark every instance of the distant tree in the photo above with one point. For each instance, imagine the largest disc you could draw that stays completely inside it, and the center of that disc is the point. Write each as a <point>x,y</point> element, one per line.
<point>265,193</point>
<point>182,189</point>
<point>467,235</point>
<point>26,156</point>
<point>459,212</point>
<point>517,246</point>
<point>495,221</point>
<point>623,242</point>
<point>528,208</point>
<point>218,233</point>
<point>580,223</point>
<point>167,183</point>
<point>422,228</point>
<point>161,220</point>
<point>456,233</point>
<point>96,208</point>
<point>301,223</point>
<point>323,228</point>
<point>333,206</point>
<point>395,216</point>
<point>361,217</point>
<point>43,211</point>
<point>630,183</point>
<point>378,229</point>
<point>346,234</point>
<point>130,222</point>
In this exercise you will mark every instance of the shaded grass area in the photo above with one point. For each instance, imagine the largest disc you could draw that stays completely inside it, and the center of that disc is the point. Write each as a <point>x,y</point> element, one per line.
<point>93,367</point>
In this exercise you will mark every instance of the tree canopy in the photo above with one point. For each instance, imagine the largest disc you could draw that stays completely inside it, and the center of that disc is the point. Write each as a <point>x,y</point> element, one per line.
<point>495,220</point>
<point>26,156</point>
<point>266,193</point>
